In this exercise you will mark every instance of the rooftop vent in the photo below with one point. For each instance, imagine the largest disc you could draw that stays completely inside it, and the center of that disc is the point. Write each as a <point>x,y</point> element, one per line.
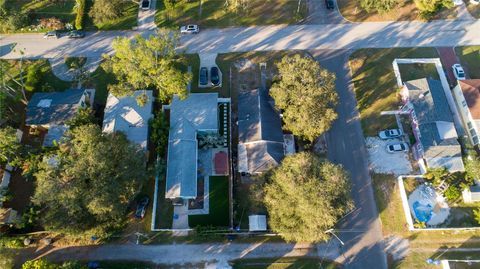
<point>44,103</point>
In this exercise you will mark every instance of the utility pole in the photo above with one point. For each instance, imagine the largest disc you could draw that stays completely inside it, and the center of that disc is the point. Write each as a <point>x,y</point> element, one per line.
<point>332,233</point>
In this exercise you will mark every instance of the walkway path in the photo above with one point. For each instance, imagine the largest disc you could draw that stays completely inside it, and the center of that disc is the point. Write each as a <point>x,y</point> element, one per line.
<point>319,14</point>
<point>60,69</point>
<point>146,18</point>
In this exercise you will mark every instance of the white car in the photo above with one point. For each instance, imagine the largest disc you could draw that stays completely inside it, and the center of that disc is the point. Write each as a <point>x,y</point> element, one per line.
<point>390,133</point>
<point>458,72</point>
<point>458,2</point>
<point>190,29</point>
<point>474,2</point>
<point>145,4</point>
<point>397,147</point>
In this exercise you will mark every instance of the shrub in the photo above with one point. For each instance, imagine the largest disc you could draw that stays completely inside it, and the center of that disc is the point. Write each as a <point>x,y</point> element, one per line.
<point>80,8</point>
<point>51,23</point>
<point>452,193</point>
<point>11,242</point>
<point>13,21</point>
<point>169,4</point>
<point>34,77</point>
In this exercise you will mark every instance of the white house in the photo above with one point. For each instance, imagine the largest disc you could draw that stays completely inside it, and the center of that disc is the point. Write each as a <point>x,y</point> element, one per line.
<point>467,98</point>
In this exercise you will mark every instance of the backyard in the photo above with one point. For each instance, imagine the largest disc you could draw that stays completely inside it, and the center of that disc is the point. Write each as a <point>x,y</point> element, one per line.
<point>470,58</point>
<point>214,13</point>
<point>376,86</point>
<point>406,11</point>
<point>219,205</point>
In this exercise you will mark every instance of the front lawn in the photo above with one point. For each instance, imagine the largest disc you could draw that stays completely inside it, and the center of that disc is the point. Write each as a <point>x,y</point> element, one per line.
<point>470,59</point>
<point>127,21</point>
<point>219,205</point>
<point>213,13</point>
<point>376,86</point>
<point>406,11</point>
<point>283,263</point>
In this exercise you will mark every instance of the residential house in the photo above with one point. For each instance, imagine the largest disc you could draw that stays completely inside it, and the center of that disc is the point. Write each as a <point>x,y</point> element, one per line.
<point>52,110</point>
<point>197,114</point>
<point>260,135</point>
<point>124,114</point>
<point>467,97</point>
<point>432,123</point>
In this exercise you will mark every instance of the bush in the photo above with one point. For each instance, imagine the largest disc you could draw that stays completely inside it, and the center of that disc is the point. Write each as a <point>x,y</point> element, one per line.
<point>452,193</point>
<point>169,4</point>
<point>51,23</point>
<point>80,8</point>
<point>11,242</point>
<point>13,21</point>
<point>34,77</point>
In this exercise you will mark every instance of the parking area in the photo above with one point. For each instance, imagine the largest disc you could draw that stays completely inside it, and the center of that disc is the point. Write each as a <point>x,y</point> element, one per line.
<point>382,162</point>
<point>448,57</point>
<point>207,77</point>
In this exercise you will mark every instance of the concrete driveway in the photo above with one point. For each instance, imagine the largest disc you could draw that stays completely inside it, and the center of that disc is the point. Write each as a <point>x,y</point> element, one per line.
<point>146,18</point>
<point>319,14</point>
<point>361,229</point>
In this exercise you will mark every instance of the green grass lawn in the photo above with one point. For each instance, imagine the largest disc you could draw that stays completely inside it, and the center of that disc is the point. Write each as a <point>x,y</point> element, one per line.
<point>99,80</point>
<point>126,22</point>
<point>375,83</point>
<point>283,263</point>
<point>470,59</point>
<point>213,13</point>
<point>219,205</point>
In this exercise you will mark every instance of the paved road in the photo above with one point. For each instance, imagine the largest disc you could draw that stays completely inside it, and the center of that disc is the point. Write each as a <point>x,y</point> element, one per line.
<point>361,230</point>
<point>326,36</point>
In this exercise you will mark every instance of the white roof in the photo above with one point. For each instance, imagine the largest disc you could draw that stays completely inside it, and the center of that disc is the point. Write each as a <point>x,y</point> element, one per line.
<point>123,114</point>
<point>446,130</point>
<point>257,223</point>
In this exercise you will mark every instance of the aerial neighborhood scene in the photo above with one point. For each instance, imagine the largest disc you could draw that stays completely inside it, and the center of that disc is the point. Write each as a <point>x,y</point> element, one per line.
<point>244,134</point>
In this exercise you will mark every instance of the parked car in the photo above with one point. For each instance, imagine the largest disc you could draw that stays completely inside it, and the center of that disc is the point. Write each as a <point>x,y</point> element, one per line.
<point>330,4</point>
<point>146,4</point>
<point>397,147</point>
<point>190,29</point>
<point>458,72</point>
<point>390,133</point>
<point>51,34</point>
<point>141,208</point>
<point>214,76</point>
<point>76,34</point>
<point>203,76</point>
<point>458,2</point>
<point>474,2</point>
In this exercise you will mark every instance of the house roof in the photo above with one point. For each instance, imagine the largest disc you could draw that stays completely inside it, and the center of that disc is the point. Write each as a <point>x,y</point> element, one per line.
<point>123,114</point>
<point>53,108</point>
<point>198,112</point>
<point>260,132</point>
<point>471,92</point>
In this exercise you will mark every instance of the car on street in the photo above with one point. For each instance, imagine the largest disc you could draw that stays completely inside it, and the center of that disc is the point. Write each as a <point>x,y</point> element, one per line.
<point>330,4</point>
<point>390,133</point>
<point>76,34</point>
<point>458,72</point>
<point>145,4</point>
<point>190,29</point>
<point>203,76</point>
<point>214,76</point>
<point>51,34</point>
<point>141,208</point>
<point>397,147</point>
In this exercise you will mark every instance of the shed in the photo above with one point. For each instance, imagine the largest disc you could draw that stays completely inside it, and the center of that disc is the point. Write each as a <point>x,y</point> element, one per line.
<point>257,223</point>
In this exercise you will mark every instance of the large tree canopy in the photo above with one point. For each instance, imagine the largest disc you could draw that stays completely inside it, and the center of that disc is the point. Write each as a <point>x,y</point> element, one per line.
<point>106,10</point>
<point>141,63</point>
<point>306,94</point>
<point>89,181</point>
<point>305,197</point>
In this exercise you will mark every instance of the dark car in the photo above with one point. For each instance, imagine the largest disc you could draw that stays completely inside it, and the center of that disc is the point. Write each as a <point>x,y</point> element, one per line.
<point>51,34</point>
<point>203,76</point>
<point>141,208</point>
<point>214,76</point>
<point>330,4</point>
<point>76,34</point>
<point>146,4</point>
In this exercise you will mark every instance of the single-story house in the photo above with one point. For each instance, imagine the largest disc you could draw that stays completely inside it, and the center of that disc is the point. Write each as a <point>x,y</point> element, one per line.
<point>467,97</point>
<point>197,113</point>
<point>432,124</point>
<point>51,111</point>
<point>124,114</point>
<point>260,135</point>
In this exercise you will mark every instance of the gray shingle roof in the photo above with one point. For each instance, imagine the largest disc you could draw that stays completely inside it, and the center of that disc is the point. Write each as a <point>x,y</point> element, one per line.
<point>199,111</point>
<point>259,130</point>
<point>58,107</point>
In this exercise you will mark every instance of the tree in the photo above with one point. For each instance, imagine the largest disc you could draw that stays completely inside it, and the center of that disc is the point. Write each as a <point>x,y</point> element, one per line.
<point>10,148</point>
<point>80,6</point>
<point>106,10</point>
<point>94,176</point>
<point>143,63</point>
<point>84,116</point>
<point>160,129</point>
<point>429,7</point>
<point>305,197</point>
<point>380,6</point>
<point>305,93</point>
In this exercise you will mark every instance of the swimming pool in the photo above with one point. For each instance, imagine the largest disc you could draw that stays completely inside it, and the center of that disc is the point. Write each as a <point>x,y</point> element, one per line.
<point>423,213</point>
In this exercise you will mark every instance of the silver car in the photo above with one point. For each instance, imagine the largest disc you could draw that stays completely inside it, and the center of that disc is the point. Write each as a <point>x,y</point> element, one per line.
<point>190,29</point>
<point>390,133</point>
<point>397,147</point>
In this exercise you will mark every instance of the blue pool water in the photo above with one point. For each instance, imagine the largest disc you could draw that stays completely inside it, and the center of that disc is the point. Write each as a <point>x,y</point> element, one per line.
<point>423,213</point>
